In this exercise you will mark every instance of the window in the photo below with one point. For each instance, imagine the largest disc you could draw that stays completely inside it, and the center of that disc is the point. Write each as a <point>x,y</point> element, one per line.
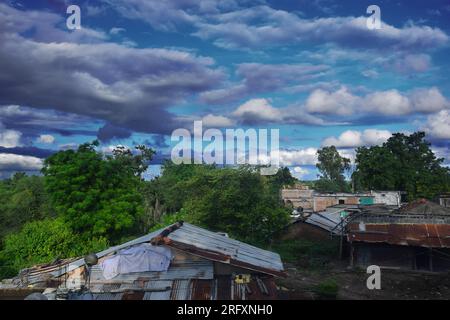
<point>341,201</point>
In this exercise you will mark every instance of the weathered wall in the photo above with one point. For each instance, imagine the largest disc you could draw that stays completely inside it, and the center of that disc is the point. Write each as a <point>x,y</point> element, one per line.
<point>391,198</point>
<point>298,198</point>
<point>323,202</point>
<point>390,256</point>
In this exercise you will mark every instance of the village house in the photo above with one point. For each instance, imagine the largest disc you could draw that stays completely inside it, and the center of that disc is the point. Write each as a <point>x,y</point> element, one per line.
<point>414,237</point>
<point>312,201</point>
<point>180,262</point>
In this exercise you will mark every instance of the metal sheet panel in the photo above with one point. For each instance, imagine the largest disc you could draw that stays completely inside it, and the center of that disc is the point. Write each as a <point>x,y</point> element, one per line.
<point>107,296</point>
<point>409,234</point>
<point>181,290</point>
<point>202,239</point>
<point>329,219</point>
<point>200,269</point>
<point>162,289</point>
<point>239,251</point>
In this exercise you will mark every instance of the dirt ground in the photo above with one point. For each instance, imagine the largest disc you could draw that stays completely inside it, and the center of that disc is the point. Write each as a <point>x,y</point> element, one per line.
<point>351,283</point>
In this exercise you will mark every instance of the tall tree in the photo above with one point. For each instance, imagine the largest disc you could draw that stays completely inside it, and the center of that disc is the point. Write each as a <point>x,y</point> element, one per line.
<point>332,167</point>
<point>404,162</point>
<point>97,195</point>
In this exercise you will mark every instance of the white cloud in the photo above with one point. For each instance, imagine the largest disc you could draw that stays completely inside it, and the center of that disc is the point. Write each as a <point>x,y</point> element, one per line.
<point>9,138</point>
<point>370,73</point>
<point>389,102</point>
<point>438,125</point>
<point>46,138</point>
<point>116,30</point>
<point>299,172</point>
<point>15,162</point>
<point>300,157</point>
<point>352,138</point>
<point>340,102</point>
<point>261,111</point>
<point>258,109</point>
<point>412,63</point>
<point>429,100</point>
<point>214,121</point>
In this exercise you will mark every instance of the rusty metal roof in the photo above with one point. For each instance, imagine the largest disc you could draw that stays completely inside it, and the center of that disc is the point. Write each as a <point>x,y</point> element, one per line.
<point>408,234</point>
<point>206,244</point>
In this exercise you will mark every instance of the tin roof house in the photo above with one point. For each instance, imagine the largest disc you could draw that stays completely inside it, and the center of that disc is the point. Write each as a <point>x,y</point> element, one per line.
<point>415,236</point>
<point>180,262</point>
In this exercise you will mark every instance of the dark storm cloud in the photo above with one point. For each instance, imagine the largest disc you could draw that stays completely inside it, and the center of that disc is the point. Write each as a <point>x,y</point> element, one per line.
<point>28,151</point>
<point>127,87</point>
<point>262,78</point>
<point>31,122</point>
<point>109,132</point>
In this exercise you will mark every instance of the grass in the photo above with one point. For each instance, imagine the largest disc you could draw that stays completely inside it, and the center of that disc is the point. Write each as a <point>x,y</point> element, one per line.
<point>327,289</point>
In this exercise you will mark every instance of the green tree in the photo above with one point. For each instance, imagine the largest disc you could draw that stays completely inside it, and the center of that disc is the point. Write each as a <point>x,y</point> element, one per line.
<point>97,195</point>
<point>238,201</point>
<point>22,199</point>
<point>332,166</point>
<point>404,162</point>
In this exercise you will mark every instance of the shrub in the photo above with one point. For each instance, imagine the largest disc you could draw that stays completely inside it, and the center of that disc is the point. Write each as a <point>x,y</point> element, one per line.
<point>327,289</point>
<point>42,242</point>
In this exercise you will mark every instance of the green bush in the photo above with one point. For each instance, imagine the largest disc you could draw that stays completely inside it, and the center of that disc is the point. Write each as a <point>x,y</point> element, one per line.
<point>327,289</point>
<point>43,242</point>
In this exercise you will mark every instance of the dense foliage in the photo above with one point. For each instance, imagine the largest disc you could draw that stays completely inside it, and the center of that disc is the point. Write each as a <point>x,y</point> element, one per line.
<point>404,162</point>
<point>42,242</point>
<point>97,195</point>
<point>22,199</point>
<point>238,201</point>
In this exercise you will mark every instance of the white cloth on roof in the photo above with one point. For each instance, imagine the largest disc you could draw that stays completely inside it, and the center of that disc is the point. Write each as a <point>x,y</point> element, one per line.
<point>139,258</point>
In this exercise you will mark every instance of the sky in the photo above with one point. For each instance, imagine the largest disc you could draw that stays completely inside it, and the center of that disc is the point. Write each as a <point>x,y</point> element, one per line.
<point>139,69</point>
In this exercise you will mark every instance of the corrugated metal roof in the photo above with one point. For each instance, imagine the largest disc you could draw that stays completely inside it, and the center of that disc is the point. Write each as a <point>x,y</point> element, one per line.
<point>161,290</point>
<point>188,270</point>
<point>107,296</point>
<point>201,242</point>
<point>188,234</point>
<point>409,234</point>
<point>329,219</point>
<point>234,249</point>
<point>181,290</point>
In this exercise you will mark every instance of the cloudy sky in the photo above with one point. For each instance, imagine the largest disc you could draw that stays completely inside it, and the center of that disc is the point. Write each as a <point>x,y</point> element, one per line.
<point>138,69</point>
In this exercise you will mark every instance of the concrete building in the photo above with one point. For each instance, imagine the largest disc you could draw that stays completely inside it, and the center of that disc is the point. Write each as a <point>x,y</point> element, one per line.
<point>311,200</point>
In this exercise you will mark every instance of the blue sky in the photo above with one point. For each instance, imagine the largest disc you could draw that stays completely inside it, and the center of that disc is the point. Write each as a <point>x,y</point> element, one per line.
<point>138,69</point>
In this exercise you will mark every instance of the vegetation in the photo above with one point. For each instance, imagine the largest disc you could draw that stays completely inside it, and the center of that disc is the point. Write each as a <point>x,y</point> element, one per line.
<point>404,163</point>
<point>238,201</point>
<point>332,167</point>
<point>86,201</point>
<point>97,196</point>
<point>22,199</point>
<point>328,289</point>
<point>42,242</point>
